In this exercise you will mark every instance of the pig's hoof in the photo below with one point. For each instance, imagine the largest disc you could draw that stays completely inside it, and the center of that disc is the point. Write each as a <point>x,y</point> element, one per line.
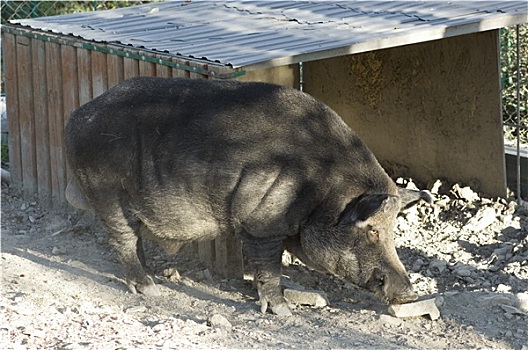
<point>281,310</point>
<point>150,290</point>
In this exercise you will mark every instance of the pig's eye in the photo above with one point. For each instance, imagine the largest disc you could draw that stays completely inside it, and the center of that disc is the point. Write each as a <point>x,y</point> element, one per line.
<point>373,235</point>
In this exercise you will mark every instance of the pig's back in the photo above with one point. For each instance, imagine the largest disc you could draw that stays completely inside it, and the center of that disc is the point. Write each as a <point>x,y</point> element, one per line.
<point>203,156</point>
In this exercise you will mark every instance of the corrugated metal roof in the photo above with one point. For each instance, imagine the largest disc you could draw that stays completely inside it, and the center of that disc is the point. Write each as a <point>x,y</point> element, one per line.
<point>258,34</point>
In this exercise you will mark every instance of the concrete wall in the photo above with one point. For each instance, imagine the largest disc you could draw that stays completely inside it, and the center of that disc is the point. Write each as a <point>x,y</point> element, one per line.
<point>429,110</point>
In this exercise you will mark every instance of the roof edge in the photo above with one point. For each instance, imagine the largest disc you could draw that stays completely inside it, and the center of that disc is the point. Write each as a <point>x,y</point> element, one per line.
<point>210,69</point>
<point>394,41</point>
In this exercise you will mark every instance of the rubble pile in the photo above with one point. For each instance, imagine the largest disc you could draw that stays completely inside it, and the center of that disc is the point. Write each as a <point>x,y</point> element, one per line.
<point>463,241</point>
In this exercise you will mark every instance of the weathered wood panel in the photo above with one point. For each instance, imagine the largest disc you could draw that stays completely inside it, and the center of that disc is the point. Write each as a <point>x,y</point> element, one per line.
<point>70,83</point>
<point>180,73</point>
<point>56,120</point>
<point>11,85</point>
<point>131,67</point>
<point>115,68</point>
<point>50,80</point>
<point>42,140</point>
<point>147,69</point>
<point>163,71</point>
<point>26,114</point>
<point>99,73</point>
<point>84,75</point>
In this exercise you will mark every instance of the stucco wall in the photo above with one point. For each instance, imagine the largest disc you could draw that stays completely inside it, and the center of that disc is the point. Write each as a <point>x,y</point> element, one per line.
<point>429,110</point>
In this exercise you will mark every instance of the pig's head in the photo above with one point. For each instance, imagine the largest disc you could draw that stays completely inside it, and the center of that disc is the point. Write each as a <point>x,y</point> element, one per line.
<point>360,247</point>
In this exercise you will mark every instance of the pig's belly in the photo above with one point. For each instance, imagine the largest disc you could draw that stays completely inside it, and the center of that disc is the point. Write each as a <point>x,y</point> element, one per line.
<point>181,218</point>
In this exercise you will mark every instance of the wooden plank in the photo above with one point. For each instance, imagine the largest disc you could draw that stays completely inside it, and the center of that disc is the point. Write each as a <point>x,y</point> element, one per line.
<point>163,71</point>
<point>131,68</point>
<point>206,253</point>
<point>70,84</point>
<point>12,102</point>
<point>115,68</point>
<point>41,122</point>
<point>235,258</point>
<point>84,71</point>
<point>147,69</point>
<point>224,253</point>
<point>26,113</point>
<point>56,121</point>
<point>180,73</point>
<point>228,256</point>
<point>193,75</point>
<point>70,80</point>
<point>99,73</point>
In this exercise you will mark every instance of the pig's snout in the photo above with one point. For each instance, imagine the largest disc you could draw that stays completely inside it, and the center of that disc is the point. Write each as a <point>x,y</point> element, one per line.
<point>399,290</point>
<point>393,288</point>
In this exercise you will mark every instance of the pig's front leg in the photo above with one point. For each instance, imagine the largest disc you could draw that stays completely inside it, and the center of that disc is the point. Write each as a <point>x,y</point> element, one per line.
<point>266,257</point>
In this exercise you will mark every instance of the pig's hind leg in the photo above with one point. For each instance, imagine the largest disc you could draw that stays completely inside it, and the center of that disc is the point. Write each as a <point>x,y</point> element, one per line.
<point>124,237</point>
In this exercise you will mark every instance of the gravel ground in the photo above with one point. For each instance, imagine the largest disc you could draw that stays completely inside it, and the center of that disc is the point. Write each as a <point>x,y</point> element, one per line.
<point>62,287</point>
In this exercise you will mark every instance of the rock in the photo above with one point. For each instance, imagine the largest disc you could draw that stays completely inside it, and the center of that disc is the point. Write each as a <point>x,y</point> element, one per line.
<point>439,265</point>
<point>438,187</point>
<point>389,321</point>
<point>306,297</point>
<point>218,321</point>
<point>208,276</point>
<point>513,310</point>
<point>463,272</point>
<point>171,274</point>
<point>502,288</point>
<point>522,210</point>
<point>58,251</point>
<point>504,249</point>
<point>483,218</point>
<point>522,299</point>
<point>417,265</point>
<point>465,193</point>
<point>417,308</point>
<point>287,283</point>
<point>495,300</point>
<point>5,176</point>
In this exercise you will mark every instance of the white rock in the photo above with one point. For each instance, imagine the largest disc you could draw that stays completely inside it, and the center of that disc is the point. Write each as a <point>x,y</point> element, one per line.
<point>389,321</point>
<point>417,308</point>
<point>483,218</point>
<point>502,288</point>
<point>522,299</point>
<point>219,321</point>
<point>465,193</point>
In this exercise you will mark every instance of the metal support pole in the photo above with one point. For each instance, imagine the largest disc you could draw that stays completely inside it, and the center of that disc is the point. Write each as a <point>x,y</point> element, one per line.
<point>518,89</point>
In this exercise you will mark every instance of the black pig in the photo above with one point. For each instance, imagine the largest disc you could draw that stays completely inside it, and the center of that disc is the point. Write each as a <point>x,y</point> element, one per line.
<point>185,160</point>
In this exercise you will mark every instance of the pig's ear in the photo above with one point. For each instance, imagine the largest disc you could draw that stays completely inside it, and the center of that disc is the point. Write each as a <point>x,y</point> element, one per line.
<point>409,197</point>
<point>366,205</point>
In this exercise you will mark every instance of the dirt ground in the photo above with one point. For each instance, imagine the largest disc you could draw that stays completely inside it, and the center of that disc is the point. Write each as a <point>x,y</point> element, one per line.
<point>62,288</point>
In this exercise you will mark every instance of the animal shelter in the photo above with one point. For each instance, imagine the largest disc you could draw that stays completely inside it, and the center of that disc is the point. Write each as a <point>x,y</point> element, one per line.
<point>417,81</point>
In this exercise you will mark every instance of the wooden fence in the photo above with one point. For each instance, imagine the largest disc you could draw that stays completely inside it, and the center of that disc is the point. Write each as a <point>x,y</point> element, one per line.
<point>49,76</point>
